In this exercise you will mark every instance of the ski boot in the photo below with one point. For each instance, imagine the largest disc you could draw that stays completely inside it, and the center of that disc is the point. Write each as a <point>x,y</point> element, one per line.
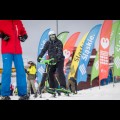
<point>74,93</point>
<point>5,98</point>
<point>41,90</point>
<point>28,95</point>
<point>35,95</point>
<point>59,93</point>
<point>25,97</point>
<point>63,90</point>
<point>51,91</point>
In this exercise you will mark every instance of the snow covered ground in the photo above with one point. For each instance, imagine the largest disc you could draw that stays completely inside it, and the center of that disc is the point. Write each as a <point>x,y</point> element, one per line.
<point>107,92</point>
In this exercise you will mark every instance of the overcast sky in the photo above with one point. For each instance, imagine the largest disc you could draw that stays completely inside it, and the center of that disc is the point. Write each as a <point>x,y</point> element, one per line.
<point>35,28</point>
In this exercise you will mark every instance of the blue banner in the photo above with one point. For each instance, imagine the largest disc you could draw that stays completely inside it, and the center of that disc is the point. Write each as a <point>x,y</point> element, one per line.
<point>86,53</point>
<point>41,67</point>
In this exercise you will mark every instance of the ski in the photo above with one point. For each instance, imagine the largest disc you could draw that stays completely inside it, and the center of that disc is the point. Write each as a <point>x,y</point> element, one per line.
<point>51,91</point>
<point>62,90</point>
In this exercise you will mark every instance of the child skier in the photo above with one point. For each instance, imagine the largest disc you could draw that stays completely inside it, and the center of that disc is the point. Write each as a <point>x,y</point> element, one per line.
<point>31,72</point>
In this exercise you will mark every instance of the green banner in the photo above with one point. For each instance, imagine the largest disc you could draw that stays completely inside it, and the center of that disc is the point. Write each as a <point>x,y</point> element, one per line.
<point>95,68</point>
<point>116,70</point>
<point>63,36</point>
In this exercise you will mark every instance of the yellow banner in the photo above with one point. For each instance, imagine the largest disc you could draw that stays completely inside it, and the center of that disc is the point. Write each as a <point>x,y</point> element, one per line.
<point>76,58</point>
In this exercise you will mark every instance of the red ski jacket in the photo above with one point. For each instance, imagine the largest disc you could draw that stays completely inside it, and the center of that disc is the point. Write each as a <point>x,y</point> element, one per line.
<point>14,29</point>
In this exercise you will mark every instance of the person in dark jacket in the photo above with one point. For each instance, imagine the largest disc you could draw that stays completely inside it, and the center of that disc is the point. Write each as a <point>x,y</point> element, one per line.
<point>55,50</point>
<point>12,32</point>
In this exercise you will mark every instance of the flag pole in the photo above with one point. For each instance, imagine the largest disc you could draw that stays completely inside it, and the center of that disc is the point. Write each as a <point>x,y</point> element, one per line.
<point>113,81</point>
<point>90,84</point>
<point>99,84</point>
<point>113,78</point>
<point>57,27</point>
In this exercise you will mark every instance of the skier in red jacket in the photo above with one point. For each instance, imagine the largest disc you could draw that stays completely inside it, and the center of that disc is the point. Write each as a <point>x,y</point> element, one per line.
<point>12,32</point>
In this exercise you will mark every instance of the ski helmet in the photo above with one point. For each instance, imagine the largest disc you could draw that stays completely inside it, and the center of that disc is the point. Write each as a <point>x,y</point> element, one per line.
<point>51,33</point>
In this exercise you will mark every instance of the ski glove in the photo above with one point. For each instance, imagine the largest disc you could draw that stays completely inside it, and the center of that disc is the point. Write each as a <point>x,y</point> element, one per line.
<point>5,37</point>
<point>38,59</point>
<point>26,71</point>
<point>23,38</point>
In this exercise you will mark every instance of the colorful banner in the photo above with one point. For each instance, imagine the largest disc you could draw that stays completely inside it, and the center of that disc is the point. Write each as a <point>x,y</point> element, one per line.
<point>86,52</point>
<point>63,36</point>
<point>41,67</point>
<point>69,47</point>
<point>104,49</point>
<point>76,58</point>
<point>117,52</point>
<point>114,31</point>
<point>95,68</point>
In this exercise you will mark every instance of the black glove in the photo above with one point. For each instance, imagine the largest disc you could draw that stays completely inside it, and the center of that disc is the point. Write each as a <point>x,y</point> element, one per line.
<point>26,71</point>
<point>38,59</point>
<point>54,61</point>
<point>5,37</point>
<point>23,38</point>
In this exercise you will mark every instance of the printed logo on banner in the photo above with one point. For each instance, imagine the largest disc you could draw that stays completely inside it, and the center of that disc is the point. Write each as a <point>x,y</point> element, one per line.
<point>118,47</point>
<point>105,42</point>
<point>82,69</point>
<point>66,53</point>
<point>104,57</point>
<point>112,33</point>
<point>72,70</point>
<point>97,65</point>
<point>41,70</point>
<point>42,44</point>
<point>117,62</point>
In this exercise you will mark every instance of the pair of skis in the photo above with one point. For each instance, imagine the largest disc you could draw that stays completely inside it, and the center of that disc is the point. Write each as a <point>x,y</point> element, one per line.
<point>55,91</point>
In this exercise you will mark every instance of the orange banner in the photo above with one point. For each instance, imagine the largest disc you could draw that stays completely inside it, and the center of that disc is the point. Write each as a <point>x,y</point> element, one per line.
<point>104,49</point>
<point>69,47</point>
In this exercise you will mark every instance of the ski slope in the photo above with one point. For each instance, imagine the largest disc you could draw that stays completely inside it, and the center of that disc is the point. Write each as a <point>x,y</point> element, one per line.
<point>107,92</point>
